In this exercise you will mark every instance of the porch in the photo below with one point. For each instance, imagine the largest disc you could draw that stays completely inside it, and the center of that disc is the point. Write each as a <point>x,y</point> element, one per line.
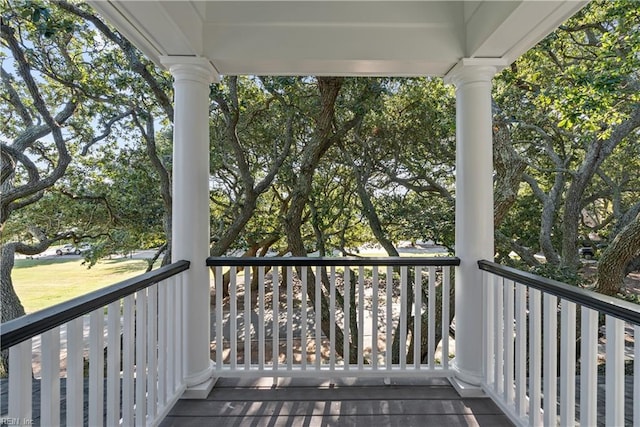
<point>129,368</point>
<point>338,402</point>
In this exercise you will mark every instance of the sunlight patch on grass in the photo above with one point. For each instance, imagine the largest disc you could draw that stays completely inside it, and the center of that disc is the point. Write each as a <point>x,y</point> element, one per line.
<point>43,283</point>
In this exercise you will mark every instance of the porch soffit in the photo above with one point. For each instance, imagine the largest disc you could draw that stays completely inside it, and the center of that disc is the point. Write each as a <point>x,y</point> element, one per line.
<point>352,38</point>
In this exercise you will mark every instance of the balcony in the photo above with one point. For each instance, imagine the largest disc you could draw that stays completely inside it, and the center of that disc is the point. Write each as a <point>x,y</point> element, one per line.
<point>327,340</point>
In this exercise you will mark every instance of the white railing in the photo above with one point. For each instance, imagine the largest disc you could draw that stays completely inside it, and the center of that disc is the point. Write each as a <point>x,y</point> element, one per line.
<point>112,355</point>
<point>555,354</point>
<point>332,316</point>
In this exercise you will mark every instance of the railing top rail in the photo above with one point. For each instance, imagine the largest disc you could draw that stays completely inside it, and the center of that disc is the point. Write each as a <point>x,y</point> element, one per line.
<point>615,307</point>
<point>31,325</point>
<point>337,261</point>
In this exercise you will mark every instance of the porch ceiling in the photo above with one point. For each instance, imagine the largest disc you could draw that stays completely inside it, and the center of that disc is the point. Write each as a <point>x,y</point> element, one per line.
<point>355,38</point>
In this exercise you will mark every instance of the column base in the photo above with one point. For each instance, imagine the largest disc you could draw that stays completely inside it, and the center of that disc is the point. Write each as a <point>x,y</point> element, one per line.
<point>465,389</point>
<point>199,391</point>
<point>200,385</point>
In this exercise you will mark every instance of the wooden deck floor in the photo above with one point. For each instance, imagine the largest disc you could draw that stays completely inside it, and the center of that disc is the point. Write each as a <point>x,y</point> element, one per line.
<point>345,402</point>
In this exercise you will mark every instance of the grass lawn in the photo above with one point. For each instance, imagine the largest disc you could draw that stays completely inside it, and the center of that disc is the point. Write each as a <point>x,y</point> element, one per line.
<point>41,283</point>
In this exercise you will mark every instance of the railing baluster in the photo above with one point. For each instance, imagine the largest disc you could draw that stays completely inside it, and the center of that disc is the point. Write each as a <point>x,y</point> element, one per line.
<point>614,374</point>
<point>535,356</point>
<point>289,318</point>
<point>636,375</point>
<point>431,315</point>
<point>361,326</point>
<point>389,332</point>
<point>113,363</point>
<point>347,317</point>
<point>152,350</point>
<point>140,357</point>
<point>417,323</point>
<point>75,375</point>
<point>50,385</point>
<point>498,305</point>
<point>588,368</point>
<point>489,327</point>
<point>248,310</point>
<point>318,312</point>
<point>219,283</point>
<point>446,287</point>
<point>333,319</point>
<point>375,319</point>
<point>163,348</point>
<point>550,359</point>
<point>128,361</point>
<point>261,329</point>
<point>233,319</point>
<point>568,364</point>
<point>96,368</point>
<point>20,383</point>
<point>403,317</point>
<point>508,342</point>
<point>521,350</point>
<point>304,320</point>
<point>275,351</point>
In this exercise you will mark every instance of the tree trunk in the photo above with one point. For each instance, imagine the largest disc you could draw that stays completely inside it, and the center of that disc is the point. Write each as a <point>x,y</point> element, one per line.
<point>614,260</point>
<point>11,306</point>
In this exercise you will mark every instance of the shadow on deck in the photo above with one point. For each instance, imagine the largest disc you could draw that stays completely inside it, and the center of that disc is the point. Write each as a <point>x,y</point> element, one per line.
<point>341,402</point>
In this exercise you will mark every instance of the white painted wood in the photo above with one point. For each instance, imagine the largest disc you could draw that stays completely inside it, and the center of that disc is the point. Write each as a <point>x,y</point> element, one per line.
<point>403,316</point>
<point>276,318</point>
<point>417,314</point>
<point>636,375</point>
<point>261,312</point>
<point>141,358</point>
<point>20,396</point>
<point>588,368</point>
<point>304,324</point>
<point>172,323</point>
<point>568,363</point>
<point>361,309</point>
<point>113,363</point>
<point>473,209</point>
<point>347,318</point>
<point>152,350</point>
<point>388,356</point>
<point>50,383</point>
<point>550,345</point>
<point>375,318</point>
<point>96,368</point>
<point>75,380</point>
<point>498,340</point>
<point>318,313</point>
<point>508,300</point>
<point>181,367</point>
<point>248,310</point>
<point>233,318</point>
<point>489,326</point>
<point>190,237</point>
<point>289,342</point>
<point>128,361</point>
<point>163,348</point>
<point>614,374</point>
<point>332,318</point>
<point>446,286</point>
<point>219,283</point>
<point>431,322</point>
<point>521,350</point>
<point>535,357</point>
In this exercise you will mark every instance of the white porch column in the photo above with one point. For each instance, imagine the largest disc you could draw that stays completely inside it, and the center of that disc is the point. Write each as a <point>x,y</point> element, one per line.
<point>474,213</point>
<point>190,226</point>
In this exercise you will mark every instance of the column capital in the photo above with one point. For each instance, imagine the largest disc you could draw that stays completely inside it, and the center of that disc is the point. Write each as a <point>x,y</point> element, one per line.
<point>469,70</point>
<point>191,68</point>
